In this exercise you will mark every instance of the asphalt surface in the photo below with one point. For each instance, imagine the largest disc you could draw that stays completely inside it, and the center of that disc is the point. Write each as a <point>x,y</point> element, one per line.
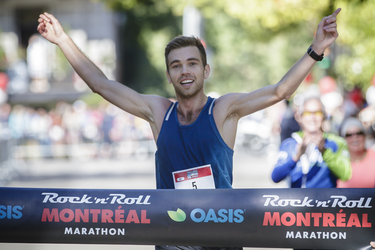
<point>250,171</point>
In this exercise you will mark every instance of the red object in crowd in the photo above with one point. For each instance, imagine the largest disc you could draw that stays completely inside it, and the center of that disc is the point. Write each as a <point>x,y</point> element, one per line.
<point>309,78</point>
<point>356,96</point>
<point>327,84</point>
<point>3,81</point>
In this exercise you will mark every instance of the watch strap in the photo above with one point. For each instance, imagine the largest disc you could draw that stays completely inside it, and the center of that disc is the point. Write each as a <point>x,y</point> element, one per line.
<point>314,55</point>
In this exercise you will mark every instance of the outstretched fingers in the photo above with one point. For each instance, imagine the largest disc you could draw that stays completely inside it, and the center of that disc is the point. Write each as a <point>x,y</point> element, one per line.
<point>327,32</point>
<point>336,12</point>
<point>330,25</point>
<point>332,18</point>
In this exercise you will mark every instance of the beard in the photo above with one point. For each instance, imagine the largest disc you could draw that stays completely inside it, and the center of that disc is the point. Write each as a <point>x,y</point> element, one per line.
<point>190,92</point>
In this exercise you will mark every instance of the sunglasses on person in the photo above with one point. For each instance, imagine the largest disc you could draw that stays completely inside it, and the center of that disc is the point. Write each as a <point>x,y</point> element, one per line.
<point>352,134</point>
<point>316,113</point>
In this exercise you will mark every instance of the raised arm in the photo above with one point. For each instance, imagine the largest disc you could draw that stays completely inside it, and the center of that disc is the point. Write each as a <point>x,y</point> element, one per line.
<point>245,104</point>
<point>230,108</point>
<point>150,108</point>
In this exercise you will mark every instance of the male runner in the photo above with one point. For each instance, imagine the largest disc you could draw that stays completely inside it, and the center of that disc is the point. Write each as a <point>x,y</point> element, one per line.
<point>197,133</point>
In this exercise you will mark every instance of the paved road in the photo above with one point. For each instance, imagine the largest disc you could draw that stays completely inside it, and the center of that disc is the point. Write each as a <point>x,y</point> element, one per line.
<point>122,173</point>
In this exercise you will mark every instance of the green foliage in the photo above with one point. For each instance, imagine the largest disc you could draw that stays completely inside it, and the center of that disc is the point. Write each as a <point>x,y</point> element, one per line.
<point>355,63</point>
<point>148,27</point>
<point>3,61</point>
<point>251,43</point>
<point>244,60</point>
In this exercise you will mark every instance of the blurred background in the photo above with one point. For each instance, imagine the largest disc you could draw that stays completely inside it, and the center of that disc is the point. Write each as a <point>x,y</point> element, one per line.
<point>54,132</point>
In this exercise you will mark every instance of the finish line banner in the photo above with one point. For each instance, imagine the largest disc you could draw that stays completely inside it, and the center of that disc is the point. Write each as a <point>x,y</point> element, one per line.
<point>278,218</point>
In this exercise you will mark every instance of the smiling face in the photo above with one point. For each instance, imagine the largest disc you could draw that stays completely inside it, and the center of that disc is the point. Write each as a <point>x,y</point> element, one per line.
<point>312,116</point>
<point>186,71</point>
<point>355,139</point>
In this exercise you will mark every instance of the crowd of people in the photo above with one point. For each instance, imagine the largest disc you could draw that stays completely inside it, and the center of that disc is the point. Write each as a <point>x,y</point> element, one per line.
<point>71,124</point>
<point>107,126</point>
<point>328,148</point>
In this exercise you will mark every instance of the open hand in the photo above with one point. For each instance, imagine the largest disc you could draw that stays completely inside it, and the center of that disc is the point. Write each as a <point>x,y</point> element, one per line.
<point>50,28</point>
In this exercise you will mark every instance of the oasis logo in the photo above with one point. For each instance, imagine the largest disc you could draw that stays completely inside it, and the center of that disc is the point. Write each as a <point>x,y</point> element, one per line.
<point>199,215</point>
<point>10,212</point>
<point>177,216</point>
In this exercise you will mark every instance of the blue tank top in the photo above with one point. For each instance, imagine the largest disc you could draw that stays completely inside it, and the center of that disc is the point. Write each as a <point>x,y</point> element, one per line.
<point>183,147</point>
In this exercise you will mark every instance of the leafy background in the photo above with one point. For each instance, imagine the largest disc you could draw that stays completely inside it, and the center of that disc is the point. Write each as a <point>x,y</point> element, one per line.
<point>252,42</point>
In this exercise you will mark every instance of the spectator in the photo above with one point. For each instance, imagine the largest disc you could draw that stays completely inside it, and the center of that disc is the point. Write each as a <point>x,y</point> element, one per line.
<point>362,159</point>
<point>311,158</point>
<point>367,118</point>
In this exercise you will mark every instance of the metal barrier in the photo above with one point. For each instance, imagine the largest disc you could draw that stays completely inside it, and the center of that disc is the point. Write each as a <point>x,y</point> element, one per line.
<point>280,218</point>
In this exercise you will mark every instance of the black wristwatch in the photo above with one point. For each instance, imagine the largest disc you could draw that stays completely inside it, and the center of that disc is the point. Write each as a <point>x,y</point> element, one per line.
<point>314,55</point>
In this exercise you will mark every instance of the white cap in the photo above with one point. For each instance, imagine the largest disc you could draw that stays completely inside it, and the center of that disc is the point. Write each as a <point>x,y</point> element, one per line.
<point>349,123</point>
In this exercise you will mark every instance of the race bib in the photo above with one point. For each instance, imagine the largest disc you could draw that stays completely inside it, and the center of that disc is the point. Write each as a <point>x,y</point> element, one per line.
<point>194,178</point>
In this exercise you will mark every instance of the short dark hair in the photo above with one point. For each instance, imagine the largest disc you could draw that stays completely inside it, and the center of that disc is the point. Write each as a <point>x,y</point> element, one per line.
<point>185,41</point>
